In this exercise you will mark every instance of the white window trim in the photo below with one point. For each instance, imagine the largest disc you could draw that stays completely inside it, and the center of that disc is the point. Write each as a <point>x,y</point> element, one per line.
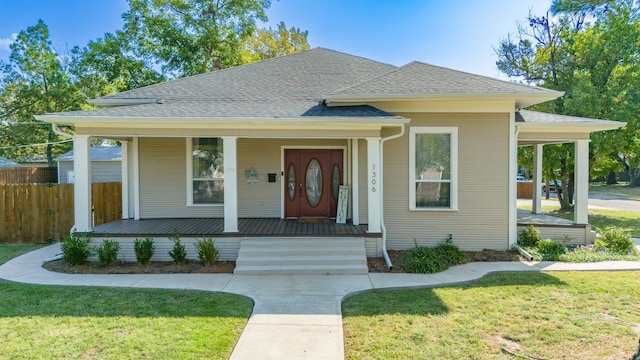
<point>190,178</point>
<point>453,131</point>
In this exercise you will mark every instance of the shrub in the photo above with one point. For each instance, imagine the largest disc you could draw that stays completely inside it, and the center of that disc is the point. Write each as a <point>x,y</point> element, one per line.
<point>108,252</point>
<point>616,241</point>
<point>207,251</point>
<point>144,249</point>
<point>179,251</point>
<point>585,254</point>
<point>550,250</point>
<point>529,236</point>
<point>422,259</point>
<point>75,249</point>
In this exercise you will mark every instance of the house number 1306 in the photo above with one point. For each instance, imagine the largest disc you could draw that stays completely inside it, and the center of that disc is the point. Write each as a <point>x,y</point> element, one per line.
<point>373,178</point>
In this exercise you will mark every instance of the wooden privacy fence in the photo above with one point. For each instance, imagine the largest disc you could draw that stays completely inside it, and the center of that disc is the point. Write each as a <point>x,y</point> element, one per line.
<point>31,175</point>
<point>37,213</point>
<point>525,189</point>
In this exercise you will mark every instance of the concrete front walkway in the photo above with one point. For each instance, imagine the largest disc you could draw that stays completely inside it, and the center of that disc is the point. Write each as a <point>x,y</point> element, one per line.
<point>294,316</point>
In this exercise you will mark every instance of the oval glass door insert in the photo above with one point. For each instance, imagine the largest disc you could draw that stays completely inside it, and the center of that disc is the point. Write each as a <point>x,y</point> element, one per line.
<point>292,181</point>
<point>314,182</point>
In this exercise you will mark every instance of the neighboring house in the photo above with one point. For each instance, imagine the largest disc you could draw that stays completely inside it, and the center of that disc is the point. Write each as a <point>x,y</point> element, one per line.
<point>6,163</point>
<point>106,165</point>
<point>428,153</point>
<point>34,161</point>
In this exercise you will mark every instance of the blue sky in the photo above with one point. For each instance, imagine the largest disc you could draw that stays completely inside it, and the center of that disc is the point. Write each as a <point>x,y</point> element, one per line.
<point>458,34</point>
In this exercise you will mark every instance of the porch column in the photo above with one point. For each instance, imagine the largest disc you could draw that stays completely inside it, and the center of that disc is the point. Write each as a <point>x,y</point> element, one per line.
<point>134,185</point>
<point>230,184</point>
<point>82,183</point>
<point>537,179</point>
<point>355,188</point>
<point>581,182</point>
<point>124,179</point>
<point>373,190</point>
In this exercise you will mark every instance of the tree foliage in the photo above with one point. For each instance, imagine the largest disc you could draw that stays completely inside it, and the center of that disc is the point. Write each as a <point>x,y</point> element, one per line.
<point>269,43</point>
<point>588,49</point>
<point>33,81</point>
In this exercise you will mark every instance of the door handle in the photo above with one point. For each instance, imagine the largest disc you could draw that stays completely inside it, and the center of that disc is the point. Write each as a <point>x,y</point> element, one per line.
<point>300,189</point>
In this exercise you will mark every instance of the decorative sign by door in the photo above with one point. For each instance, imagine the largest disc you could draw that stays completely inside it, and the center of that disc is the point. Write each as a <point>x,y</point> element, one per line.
<point>343,197</point>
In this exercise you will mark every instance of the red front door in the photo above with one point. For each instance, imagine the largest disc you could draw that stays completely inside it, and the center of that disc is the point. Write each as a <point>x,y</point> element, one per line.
<point>312,178</point>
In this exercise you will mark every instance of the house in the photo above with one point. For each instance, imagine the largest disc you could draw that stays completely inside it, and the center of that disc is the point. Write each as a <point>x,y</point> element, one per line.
<point>106,165</point>
<point>6,163</point>
<point>258,152</point>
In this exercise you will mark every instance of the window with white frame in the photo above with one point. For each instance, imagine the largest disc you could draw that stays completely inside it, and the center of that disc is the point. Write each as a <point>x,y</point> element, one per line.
<point>205,171</point>
<point>433,168</point>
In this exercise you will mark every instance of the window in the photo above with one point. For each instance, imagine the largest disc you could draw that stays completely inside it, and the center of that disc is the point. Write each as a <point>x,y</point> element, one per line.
<point>205,171</point>
<point>433,168</point>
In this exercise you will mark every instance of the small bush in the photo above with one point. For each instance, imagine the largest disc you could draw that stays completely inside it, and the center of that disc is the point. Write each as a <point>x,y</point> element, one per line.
<point>616,241</point>
<point>427,260</point>
<point>179,251</point>
<point>207,251</point>
<point>550,250</point>
<point>144,249</point>
<point>75,250</point>
<point>529,236</point>
<point>108,252</point>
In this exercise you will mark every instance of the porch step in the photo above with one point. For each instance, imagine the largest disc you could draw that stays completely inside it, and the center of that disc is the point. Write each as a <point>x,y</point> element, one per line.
<point>304,256</point>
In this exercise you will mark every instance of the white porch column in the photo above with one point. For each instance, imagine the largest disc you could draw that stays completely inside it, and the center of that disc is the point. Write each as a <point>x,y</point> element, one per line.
<point>135,180</point>
<point>355,188</point>
<point>124,179</point>
<point>373,190</point>
<point>537,179</point>
<point>581,183</point>
<point>230,183</point>
<point>82,183</point>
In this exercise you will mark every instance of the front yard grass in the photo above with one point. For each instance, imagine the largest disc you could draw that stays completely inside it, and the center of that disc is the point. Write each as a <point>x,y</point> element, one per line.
<point>621,191</point>
<point>9,251</point>
<point>68,322</point>
<point>601,219</point>
<point>594,315</point>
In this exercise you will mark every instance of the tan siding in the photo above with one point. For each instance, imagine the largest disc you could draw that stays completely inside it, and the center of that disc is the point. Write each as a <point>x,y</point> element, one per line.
<point>567,234</point>
<point>163,177</point>
<point>483,166</point>
<point>163,181</point>
<point>227,247</point>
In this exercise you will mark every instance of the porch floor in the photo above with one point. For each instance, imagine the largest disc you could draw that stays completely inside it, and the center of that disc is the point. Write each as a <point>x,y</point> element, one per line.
<point>214,227</point>
<point>525,217</point>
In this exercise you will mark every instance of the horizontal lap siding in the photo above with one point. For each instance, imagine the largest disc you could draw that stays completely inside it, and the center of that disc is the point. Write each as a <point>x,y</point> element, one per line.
<point>163,181</point>
<point>483,167</point>
<point>106,171</point>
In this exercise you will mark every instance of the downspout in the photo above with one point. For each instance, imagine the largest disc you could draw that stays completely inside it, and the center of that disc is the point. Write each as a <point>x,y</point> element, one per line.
<point>385,254</point>
<point>59,132</point>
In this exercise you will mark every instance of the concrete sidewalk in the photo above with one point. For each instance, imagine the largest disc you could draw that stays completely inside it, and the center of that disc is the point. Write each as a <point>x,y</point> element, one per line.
<point>294,316</point>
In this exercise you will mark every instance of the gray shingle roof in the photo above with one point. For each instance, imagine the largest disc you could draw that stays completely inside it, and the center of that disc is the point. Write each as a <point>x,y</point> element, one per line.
<point>103,153</point>
<point>6,163</point>
<point>536,117</point>
<point>423,79</point>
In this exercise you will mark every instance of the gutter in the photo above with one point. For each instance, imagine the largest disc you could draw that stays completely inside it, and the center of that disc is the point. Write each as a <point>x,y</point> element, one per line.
<point>385,254</point>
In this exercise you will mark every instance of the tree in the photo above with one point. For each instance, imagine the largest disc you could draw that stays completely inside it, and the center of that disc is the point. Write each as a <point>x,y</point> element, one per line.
<point>189,37</point>
<point>269,43</point>
<point>109,65</point>
<point>33,82</point>
<point>587,48</point>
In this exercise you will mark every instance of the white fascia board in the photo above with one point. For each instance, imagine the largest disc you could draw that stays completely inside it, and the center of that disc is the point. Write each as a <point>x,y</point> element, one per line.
<point>332,122</point>
<point>582,127</point>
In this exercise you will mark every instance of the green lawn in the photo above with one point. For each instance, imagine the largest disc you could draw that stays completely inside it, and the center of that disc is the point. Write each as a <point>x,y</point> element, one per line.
<point>65,322</point>
<point>621,191</point>
<point>629,221</point>
<point>593,315</point>
<point>9,251</point>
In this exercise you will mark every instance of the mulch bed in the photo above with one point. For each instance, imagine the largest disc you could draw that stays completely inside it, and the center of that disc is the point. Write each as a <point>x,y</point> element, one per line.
<point>376,265</point>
